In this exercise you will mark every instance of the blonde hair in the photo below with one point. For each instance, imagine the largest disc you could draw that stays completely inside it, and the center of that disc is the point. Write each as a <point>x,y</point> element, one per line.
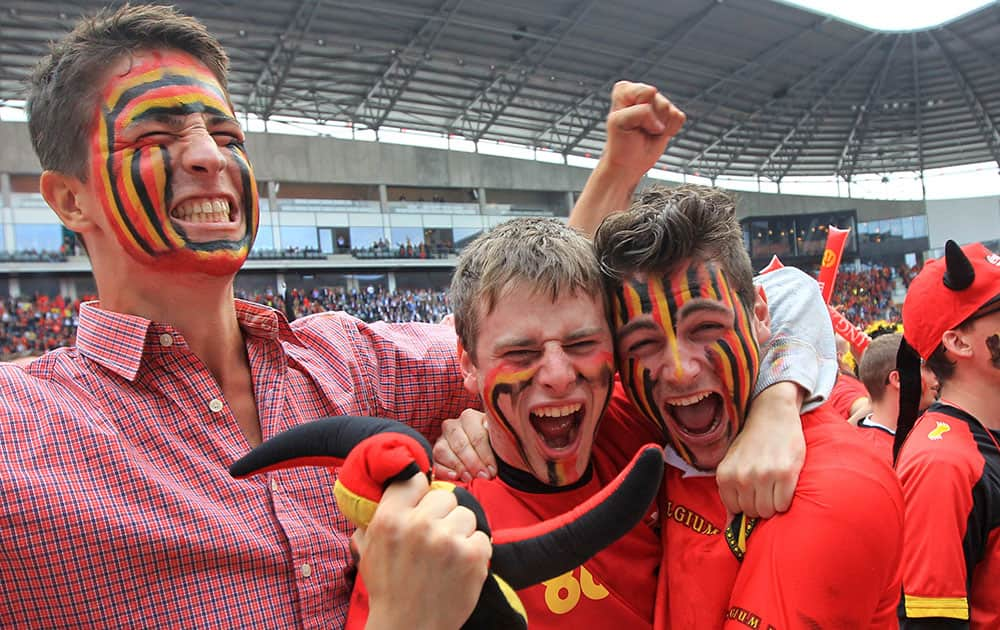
<point>544,255</point>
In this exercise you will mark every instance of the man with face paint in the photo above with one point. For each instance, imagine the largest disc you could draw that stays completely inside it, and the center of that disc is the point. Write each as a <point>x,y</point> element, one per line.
<point>949,460</point>
<point>688,325</point>
<point>118,506</point>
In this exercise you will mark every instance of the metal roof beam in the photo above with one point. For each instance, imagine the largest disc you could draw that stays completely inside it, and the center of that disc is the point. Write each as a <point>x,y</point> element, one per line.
<point>854,138</point>
<point>811,77</point>
<point>918,109</point>
<point>492,99</point>
<point>972,100</point>
<point>267,85</point>
<point>807,116</point>
<point>381,99</point>
<point>582,111</point>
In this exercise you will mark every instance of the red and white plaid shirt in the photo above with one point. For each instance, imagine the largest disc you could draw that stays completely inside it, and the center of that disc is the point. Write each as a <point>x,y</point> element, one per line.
<point>116,508</point>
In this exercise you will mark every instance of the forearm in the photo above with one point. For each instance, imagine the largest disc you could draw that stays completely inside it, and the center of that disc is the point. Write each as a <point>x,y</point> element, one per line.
<point>606,192</point>
<point>801,348</point>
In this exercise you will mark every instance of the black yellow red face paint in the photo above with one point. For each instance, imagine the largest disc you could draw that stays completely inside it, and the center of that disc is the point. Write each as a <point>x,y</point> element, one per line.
<point>732,354</point>
<point>509,380</point>
<point>134,176</point>
<point>993,346</point>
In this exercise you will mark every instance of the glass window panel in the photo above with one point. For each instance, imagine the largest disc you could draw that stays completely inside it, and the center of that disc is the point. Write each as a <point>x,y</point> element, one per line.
<point>298,237</point>
<point>920,225</point>
<point>907,227</point>
<point>366,237</point>
<point>464,236</point>
<point>38,237</point>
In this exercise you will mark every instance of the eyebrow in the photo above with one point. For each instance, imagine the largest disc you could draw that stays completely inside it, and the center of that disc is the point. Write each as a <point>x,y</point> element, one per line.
<point>174,117</point>
<point>518,342</point>
<point>703,304</point>
<point>646,323</point>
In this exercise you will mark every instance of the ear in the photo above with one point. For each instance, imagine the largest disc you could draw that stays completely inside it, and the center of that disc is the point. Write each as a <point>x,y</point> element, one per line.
<point>470,373</point>
<point>894,380</point>
<point>956,343</point>
<point>64,194</point>
<point>761,317</point>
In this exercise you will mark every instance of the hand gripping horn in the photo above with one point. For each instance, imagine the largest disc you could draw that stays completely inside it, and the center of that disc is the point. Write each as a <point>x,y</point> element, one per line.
<point>375,452</point>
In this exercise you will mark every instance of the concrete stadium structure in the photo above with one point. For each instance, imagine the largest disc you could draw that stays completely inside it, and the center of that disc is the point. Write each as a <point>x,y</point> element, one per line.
<point>314,188</point>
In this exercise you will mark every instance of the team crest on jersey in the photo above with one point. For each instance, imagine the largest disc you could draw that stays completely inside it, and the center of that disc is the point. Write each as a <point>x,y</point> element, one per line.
<point>993,259</point>
<point>938,431</point>
<point>737,533</point>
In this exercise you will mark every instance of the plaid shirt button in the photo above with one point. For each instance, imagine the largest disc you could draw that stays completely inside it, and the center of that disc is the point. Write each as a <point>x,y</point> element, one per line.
<point>166,340</point>
<point>274,485</point>
<point>306,569</point>
<point>215,405</point>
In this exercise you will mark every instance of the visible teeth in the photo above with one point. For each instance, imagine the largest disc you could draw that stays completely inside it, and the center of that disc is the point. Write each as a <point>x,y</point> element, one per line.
<point>203,211</point>
<point>688,400</point>
<point>557,412</point>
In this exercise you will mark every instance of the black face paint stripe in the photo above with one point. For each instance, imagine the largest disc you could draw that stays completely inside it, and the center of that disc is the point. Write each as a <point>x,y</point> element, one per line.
<point>139,184</point>
<point>511,390</point>
<point>116,194</point>
<point>172,80</point>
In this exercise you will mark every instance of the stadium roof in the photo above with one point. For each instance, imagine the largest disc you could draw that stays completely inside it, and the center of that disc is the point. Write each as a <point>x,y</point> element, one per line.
<point>771,90</point>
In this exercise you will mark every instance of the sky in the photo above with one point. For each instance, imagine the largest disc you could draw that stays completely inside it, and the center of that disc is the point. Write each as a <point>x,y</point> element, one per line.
<point>892,15</point>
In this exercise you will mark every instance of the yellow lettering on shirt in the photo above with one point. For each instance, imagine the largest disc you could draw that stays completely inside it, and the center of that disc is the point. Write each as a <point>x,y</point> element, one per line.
<point>562,594</point>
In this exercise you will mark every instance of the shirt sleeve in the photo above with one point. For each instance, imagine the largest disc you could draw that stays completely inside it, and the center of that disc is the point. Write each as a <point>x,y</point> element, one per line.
<point>831,561</point>
<point>410,372</point>
<point>801,348</point>
<point>939,500</point>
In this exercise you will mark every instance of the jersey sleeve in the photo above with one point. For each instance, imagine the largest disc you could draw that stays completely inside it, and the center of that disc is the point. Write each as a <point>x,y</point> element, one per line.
<point>939,501</point>
<point>801,348</point>
<point>831,561</point>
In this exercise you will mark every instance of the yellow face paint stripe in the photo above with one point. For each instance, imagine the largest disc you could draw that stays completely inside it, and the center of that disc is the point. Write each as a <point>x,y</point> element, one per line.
<point>158,74</point>
<point>146,228</point>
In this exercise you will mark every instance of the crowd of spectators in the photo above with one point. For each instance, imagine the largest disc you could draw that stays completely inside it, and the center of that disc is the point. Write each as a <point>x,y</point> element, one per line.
<point>30,326</point>
<point>866,296</point>
<point>384,249</point>
<point>370,304</point>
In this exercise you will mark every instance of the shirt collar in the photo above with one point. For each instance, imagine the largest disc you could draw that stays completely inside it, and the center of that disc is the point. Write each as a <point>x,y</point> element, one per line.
<point>671,458</point>
<point>118,341</point>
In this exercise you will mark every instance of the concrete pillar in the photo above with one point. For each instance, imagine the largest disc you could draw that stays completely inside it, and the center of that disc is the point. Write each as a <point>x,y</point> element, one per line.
<point>14,286</point>
<point>67,288</point>
<point>383,198</point>
<point>6,213</point>
<point>279,283</point>
<point>390,279</point>
<point>272,203</point>
<point>569,202</point>
<point>482,199</point>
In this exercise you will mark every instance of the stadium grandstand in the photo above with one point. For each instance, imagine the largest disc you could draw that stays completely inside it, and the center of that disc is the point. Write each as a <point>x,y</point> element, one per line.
<point>387,135</point>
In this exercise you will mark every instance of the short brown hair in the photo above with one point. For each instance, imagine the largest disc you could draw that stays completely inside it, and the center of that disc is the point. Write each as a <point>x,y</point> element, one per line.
<point>64,84</point>
<point>878,361</point>
<point>665,226</point>
<point>543,253</point>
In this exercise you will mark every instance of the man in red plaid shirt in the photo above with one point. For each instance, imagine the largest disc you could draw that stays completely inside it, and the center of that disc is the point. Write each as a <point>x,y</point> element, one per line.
<point>117,507</point>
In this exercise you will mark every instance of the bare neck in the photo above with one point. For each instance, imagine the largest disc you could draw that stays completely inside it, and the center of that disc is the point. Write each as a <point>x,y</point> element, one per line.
<point>199,306</point>
<point>970,395</point>
<point>885,412</point>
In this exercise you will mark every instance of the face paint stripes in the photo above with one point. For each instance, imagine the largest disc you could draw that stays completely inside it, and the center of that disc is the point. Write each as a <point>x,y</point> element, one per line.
<point>502,380</point>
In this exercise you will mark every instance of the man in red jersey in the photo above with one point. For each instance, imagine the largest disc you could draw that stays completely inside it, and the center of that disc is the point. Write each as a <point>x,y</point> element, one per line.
<point>687,323</point>
<point>877,371</point>
<point>949,460</point>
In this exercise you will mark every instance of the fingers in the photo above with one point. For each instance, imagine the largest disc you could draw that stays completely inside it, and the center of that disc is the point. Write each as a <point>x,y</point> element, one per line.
<point>784,490</point>
<point>464,450</point>
<point>638,106</point>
